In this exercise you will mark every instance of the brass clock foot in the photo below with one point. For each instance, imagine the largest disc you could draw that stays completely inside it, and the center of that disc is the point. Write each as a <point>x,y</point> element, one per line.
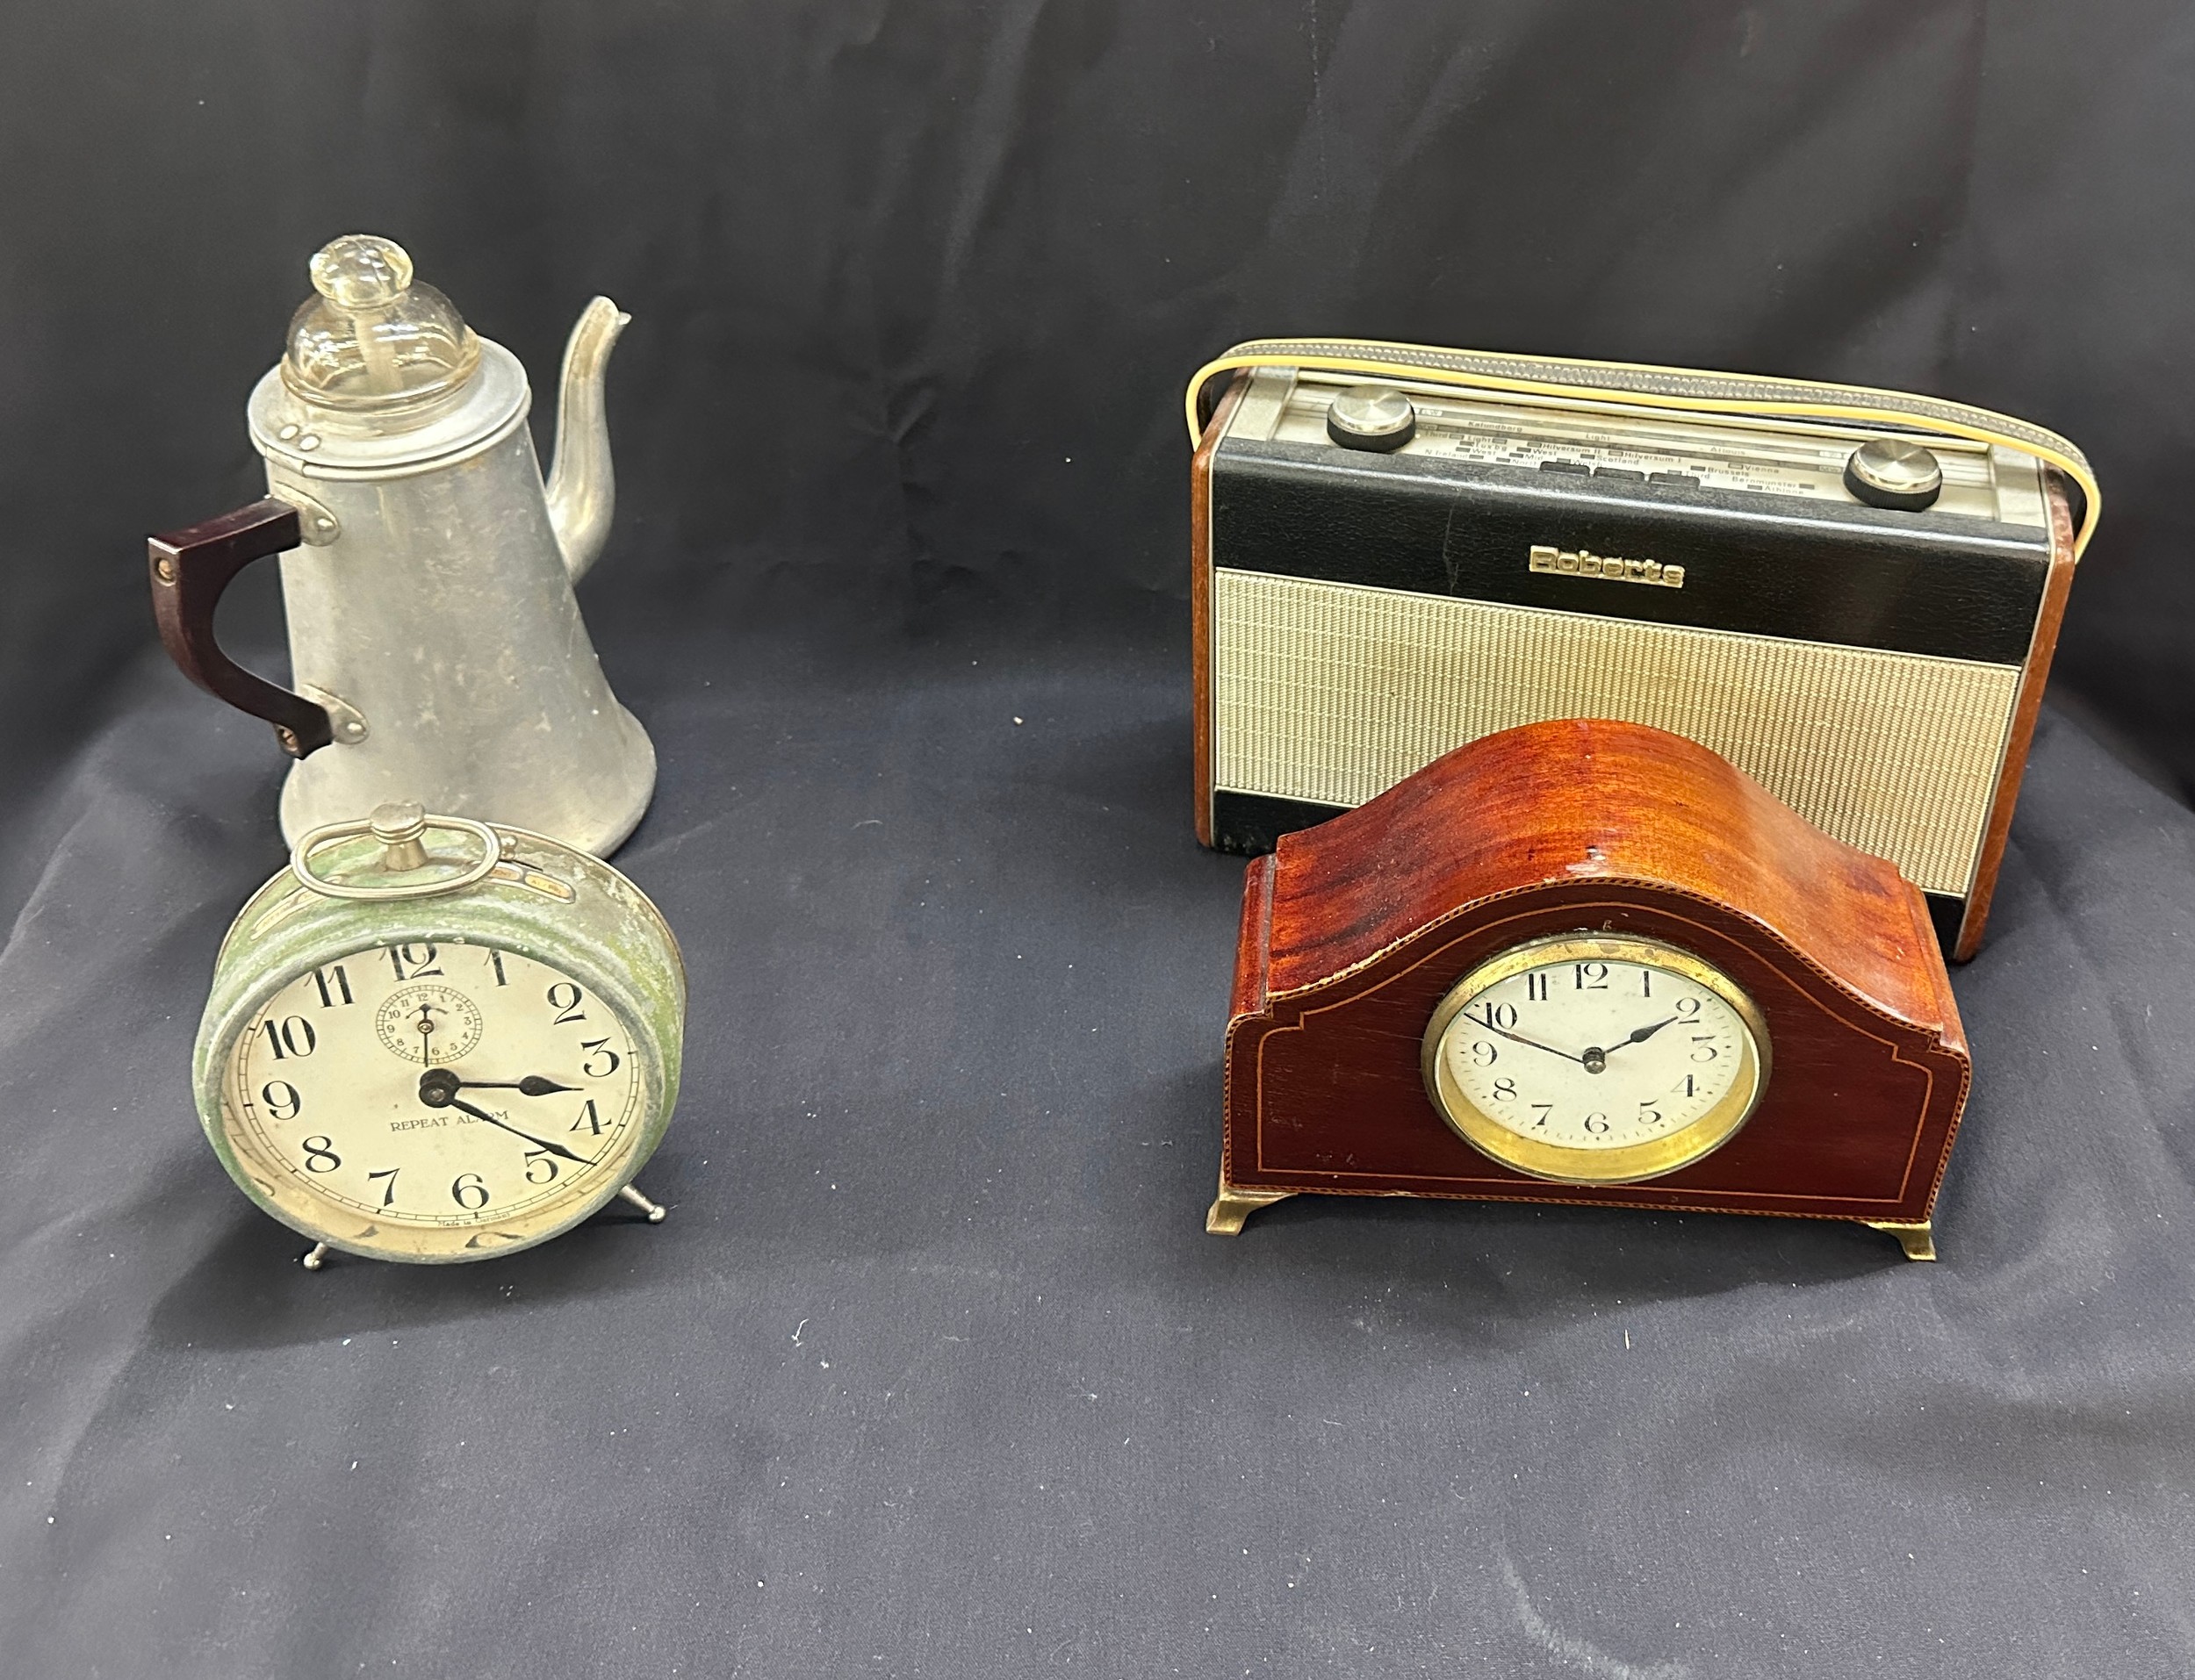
<point>656,1212</point>
<point>1233,1207</point>
<point>1918,1240</point>
<point>314,1257</point>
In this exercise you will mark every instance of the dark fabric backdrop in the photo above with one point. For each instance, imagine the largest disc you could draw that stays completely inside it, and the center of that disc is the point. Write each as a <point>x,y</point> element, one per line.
<point>932,1371</point>
<point>915,287</point>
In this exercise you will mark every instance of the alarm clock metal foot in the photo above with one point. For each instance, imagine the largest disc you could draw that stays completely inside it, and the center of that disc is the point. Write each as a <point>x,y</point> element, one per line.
<point>1918,1240</point>
<point>1233,1207</point>
<point>314,1257</point>
<point>656,1212</point>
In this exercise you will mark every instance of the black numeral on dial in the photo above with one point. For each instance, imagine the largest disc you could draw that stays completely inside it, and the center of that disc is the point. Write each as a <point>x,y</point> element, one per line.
<point>320,1156</point>
<point>294,1036</point>
<point>281,1099</point>
<point>599,1050</point>
<point>414,962</point>
<point>388,1194</point>
<point>469,1192</point>
<point>565,998</point>
<point>334,985</point>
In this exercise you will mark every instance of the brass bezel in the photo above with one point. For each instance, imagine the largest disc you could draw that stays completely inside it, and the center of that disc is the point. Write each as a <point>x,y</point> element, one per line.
<point>1560,1163</point>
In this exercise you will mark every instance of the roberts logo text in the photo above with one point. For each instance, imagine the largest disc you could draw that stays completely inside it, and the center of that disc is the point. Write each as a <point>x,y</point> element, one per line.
<point>1586,564</point>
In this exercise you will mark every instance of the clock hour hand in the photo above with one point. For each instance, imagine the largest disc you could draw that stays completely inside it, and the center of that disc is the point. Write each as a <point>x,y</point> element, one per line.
<point>1520,1038</point>
<point>436,1094</point>
<point>1639,1036</point>
<point>1595,1058</point>
<point>532,1085</point>
<point>537,1085</point>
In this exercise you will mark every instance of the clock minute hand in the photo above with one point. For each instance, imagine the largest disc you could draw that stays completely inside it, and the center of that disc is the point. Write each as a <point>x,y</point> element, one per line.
<point>538,1143</point>
<point>438,1093</point>
<point>1519,1038</point>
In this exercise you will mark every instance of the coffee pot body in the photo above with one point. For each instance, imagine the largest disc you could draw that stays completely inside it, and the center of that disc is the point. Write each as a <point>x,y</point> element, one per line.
<point>437,653</point>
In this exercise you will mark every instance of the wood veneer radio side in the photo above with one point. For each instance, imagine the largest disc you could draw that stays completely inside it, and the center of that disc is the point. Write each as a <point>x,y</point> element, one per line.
<point>1200,595</point>
<point>2056,586</point>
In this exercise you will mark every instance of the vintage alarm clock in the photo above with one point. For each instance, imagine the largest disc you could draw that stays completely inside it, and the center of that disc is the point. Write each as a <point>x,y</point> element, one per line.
<point>1851,594</point>
<point>1589,961</point>
<point>432,1038</point>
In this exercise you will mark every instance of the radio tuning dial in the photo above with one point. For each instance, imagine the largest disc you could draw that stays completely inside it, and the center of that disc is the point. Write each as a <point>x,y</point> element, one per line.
<point>1378,418</point>
<point>1891,473</point>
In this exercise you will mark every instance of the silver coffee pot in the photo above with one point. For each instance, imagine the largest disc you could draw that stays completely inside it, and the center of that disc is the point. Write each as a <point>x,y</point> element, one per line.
<point>437,650</point>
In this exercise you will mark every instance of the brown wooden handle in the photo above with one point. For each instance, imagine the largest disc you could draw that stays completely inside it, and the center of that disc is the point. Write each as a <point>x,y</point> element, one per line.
<point>190,568</point>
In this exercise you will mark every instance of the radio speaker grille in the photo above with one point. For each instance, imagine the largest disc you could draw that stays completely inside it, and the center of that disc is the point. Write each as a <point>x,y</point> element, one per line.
<point>1333,693</point>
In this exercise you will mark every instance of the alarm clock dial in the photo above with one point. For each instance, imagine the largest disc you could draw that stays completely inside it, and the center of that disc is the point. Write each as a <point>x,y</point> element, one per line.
<point>1594,1060</point>
<point>438,1100</point>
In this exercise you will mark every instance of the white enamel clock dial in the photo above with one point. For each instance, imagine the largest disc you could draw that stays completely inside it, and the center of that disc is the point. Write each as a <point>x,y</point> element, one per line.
<point>1595,1059</point>
<point>434,1100</point>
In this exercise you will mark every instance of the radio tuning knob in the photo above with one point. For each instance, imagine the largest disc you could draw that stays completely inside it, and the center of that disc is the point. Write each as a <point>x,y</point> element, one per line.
<point>1378,418</point>
<point>1891,473</point>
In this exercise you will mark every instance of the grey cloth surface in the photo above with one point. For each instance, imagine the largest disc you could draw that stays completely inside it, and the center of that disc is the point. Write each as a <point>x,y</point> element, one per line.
<point>932,1370</point>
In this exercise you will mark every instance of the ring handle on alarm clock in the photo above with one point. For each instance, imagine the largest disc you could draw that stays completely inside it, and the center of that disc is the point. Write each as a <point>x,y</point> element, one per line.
<point>398,826</point>
<point>190,568</point>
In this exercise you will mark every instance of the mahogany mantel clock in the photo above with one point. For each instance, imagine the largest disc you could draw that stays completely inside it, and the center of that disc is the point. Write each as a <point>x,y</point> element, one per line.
<point>1591,962</point>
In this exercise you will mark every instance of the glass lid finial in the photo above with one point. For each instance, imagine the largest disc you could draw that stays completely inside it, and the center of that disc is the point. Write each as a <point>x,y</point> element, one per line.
<point>359,271</point>
<point>371,338</point>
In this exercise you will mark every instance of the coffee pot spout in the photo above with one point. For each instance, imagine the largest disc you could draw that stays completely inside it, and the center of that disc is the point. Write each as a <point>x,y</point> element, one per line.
<point>582,489</point>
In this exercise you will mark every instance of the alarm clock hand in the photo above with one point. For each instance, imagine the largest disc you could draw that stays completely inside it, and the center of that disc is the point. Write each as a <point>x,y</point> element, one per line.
<point>1520,1038</point>
<point>538,1143</point>
<point>448,1083</point>
<point>437,1094</point>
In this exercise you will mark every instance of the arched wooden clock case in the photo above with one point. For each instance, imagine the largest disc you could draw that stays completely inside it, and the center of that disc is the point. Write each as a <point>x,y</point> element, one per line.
<point>1353,932</point>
